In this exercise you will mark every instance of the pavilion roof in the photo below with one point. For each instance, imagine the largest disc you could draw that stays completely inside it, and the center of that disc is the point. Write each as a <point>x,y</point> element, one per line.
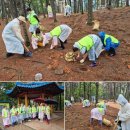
<point>49,88</point>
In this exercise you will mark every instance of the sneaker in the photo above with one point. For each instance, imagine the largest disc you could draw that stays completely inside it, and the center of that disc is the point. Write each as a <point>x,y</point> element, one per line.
<point>9,55</point>
<point>93,64</point>
<point>65,41</point>
<point>28,54</point>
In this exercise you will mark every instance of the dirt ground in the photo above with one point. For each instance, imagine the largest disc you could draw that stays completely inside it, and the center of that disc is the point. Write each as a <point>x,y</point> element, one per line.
<point>114,22</point>
<point>77,118</point>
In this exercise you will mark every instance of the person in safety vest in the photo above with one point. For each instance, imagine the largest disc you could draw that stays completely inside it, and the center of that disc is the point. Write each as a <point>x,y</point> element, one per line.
<point>86,103</point>
<point>97,113</point>
<point>19,115</point>
<point>37,39</point>
<point>124,112</point>
<point>6,117</point>
<point>60,32</point>
<point>34,112</point>
<point>24,108</point>
<point>91,45</point>
<point>110,43</point>
<point>68,103</point>
<point>14,118</point>
<point>13,40</point>
<point>102,104</point>
<point>41,112</point>
<point>29,112</point>
<point>49,10</point>
<point>33,19</point>
<point>22,111</point>
<point>67,10</point>
<point>47,113</point>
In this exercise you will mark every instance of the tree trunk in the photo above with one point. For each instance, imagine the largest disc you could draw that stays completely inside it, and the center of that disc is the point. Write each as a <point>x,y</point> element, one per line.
<point>117,3</point>
<point>23,8</point>
<point>109,4</point>
<point>53,5</point>
<point>84,90</point>
<point>97,89</point>
<point>90,12</point>
<point>114,92</point>
<point>127,2</point>
<point>43,9</point>
<point>81,6</point>
<point>60,103</point>
<point>75,6</point>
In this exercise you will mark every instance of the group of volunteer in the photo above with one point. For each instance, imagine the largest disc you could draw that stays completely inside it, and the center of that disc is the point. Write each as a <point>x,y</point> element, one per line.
<point>97,113</point>
<point>17,115</point>
<point>89,46</point>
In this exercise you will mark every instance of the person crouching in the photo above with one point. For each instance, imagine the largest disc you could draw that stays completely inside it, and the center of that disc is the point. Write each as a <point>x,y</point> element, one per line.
<point>60,33</point>
<point>97,114</point>
<point>37,39</point>
<point>90,45</point>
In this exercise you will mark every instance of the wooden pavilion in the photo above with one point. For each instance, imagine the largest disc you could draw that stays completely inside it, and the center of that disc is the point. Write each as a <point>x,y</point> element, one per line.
<point>32,90</point>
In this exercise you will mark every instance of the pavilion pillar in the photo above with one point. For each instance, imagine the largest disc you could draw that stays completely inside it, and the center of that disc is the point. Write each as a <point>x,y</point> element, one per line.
<point>18,99</point>
<point>43,96</point>
<point>26,100</point>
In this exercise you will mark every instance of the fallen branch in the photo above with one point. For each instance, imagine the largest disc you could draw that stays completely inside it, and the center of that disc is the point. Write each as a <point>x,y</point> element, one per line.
<point>38,61</point>
<point>35,61</point>
<point>9,68</point>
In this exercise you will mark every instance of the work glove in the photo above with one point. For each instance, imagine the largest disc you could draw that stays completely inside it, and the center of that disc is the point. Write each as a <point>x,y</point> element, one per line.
<point>82,61</point>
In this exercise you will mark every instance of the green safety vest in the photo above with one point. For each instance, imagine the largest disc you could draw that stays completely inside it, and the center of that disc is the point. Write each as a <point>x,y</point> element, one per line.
<point>32,19</point>
<point>101,105</point>
<point>40,38</point>
<point>29,110</point>
<point>19,110</point>
<point>86,100</point>
<point>56,31</point>
<point>100,110</point>
<point>34,109</point>
<point>13,112</point>
<point>23,110</point>
<point>47,110</point>
<point>66,101</point>
<point>114,40</point>
<point>41,108</point>
<point>5,113</point>
<point>49,9</point>
<point>86,42</point>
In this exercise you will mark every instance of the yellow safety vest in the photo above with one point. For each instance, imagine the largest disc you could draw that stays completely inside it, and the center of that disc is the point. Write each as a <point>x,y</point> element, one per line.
<point>47,110</point>
<point>86,42</point>
<point>13,112</point>
<point>40,38</point>
<point>34,109</point>
<point>32,19</point>
<point>49,9</point>
<point>19,110</point>
<point>5,112</point>
<point>56,31</point>
<point>100,110</point>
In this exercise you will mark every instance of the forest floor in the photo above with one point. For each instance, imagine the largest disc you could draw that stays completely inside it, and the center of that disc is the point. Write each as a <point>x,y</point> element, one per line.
<point>77,118</point>
<point>46,61</point>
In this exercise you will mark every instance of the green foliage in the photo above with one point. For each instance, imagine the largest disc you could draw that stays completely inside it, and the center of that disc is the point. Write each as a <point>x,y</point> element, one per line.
<point>3,87</point>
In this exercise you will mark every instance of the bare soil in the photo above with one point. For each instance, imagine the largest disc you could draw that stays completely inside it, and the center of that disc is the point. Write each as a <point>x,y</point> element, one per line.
<point>77,118</point>
<point>114,22</point>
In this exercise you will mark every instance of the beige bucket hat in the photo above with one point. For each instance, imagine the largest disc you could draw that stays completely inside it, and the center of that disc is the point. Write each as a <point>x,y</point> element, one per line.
<point>21,18</point>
